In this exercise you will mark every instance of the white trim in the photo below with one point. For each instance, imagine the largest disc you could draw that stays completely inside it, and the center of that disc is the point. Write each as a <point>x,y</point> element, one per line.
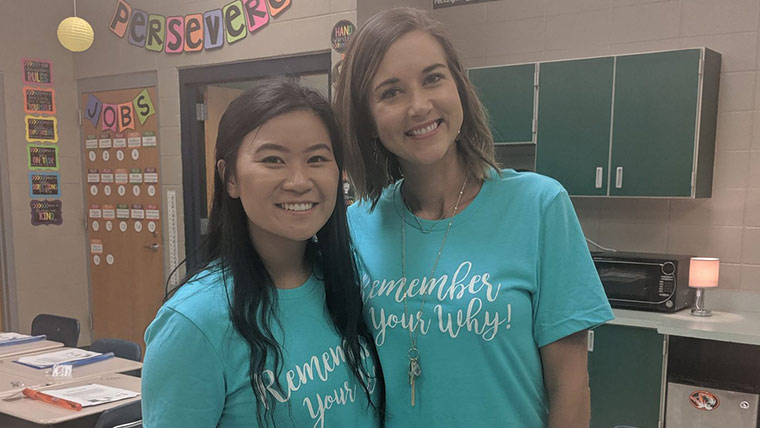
<point>7,261</point>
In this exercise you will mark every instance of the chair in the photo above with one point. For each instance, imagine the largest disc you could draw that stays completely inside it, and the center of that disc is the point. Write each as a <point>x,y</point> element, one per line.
<point>126,416</point>
<point>120,347</point>
<point>57,328</point>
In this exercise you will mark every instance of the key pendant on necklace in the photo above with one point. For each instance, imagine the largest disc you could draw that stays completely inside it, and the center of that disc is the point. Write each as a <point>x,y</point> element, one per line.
<point>414,372</point>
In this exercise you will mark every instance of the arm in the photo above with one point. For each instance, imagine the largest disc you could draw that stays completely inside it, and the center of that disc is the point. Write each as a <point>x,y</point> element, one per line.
<point>566,381</point>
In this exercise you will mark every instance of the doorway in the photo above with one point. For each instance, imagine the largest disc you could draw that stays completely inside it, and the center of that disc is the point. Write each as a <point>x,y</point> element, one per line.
<point>205,93</point>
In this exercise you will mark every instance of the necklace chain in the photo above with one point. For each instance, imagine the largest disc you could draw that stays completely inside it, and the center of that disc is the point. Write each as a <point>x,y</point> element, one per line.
<point>413,354</point>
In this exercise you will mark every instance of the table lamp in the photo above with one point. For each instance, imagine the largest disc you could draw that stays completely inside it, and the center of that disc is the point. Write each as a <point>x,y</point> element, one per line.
<point>703,273</point>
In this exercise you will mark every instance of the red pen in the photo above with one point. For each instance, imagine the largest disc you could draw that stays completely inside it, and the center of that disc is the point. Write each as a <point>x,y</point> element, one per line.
<point>37,395</point>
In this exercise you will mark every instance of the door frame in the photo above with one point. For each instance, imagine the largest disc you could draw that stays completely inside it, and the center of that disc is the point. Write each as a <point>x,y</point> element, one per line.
<point>109,83</point>
<point>191,83</point>
<point>9,321</point>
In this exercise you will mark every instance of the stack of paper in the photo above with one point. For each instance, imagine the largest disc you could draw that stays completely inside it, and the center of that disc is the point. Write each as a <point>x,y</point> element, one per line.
<point>92,394</point>
<point>73,356</point>
<point>15,338</point>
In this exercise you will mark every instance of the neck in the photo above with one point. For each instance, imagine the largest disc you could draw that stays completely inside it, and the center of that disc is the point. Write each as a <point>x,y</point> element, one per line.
<point>431,192</point>
<point>278,258</point>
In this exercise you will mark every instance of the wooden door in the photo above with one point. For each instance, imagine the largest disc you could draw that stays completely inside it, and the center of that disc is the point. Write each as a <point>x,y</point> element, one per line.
<point>123,202</point>
<point>216,98</point>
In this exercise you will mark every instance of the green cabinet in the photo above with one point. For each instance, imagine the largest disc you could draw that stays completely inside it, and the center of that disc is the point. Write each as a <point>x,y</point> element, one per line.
<point>625,367</point>
<point>508,93</point>
<point>574,111</point>
<point>640,125</point>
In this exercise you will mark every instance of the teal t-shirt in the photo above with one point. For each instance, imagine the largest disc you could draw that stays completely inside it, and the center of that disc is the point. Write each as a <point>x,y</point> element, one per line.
<point>195,372</point>
<point>515,275</point>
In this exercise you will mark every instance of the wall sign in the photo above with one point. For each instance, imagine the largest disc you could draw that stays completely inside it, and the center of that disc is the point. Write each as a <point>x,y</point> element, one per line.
<point>46,212</point>
<point>37,71</point>
<point>42,157</point>
<point>39,100</point>
<point>44,185</point>
<point>341,34</point>
<point>121,116</point>
<point>194,32</point>
<point>40,128</point>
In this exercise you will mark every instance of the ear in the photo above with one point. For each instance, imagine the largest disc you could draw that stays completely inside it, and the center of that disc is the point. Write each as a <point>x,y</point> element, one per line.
<point>232,189</point>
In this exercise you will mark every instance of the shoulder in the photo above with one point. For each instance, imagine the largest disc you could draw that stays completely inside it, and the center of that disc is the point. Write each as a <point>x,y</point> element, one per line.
<point>202,303</point>
<point>525,186</point>
<point>362,213</point>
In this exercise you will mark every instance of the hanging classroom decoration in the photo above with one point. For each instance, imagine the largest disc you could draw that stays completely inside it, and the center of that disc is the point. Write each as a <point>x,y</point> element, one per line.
<point>41,128</point>
<point>44,185</point>
<point>194,32</point>
<point>121,116</point>
<point>37,71</point>
<point>42,157</point>
<point>39,100</point>
<point>46,212</point>
<point>341,34</point>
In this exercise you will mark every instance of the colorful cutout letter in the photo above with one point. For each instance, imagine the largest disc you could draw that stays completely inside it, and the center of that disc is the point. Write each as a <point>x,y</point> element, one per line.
<point>193,33</point>
<point>138,27</point>
<point>92,112</point>
<point>41,128</point>
<point>213,29</point>
<point>110,117</point>
<point>234,21</point>
<point>126,117</point>
<point>156,33</point>
<point>256,14</point>
<point>276,7</point>
<point>143,106</point>
<point>175,29</point>
<point>120,18</point>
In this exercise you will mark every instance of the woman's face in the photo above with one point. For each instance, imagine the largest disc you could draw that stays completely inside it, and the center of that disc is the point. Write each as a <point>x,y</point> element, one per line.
<point>286,178</point>
<point>415,103</point>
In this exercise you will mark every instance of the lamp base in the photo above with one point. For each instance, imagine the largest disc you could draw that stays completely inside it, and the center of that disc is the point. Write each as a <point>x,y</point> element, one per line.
<point>699,312</point>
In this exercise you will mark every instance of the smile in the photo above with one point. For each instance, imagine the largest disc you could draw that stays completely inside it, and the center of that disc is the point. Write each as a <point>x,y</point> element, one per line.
<point>298,207</point>
<point>424,130</point>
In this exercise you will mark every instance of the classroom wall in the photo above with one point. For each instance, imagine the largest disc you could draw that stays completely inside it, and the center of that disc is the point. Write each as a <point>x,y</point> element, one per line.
<point>50,261</point>
<point>726,225</point>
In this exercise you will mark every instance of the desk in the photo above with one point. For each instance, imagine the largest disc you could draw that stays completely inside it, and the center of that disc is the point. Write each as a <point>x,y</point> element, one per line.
<point>26,412</point>
<point>39,376</point>
<point>11,383</point>
<point>28,348</point>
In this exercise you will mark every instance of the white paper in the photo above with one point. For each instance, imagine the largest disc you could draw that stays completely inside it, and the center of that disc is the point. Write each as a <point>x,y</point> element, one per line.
<point>57,357</point>
<point>92,394</point>
<point>11,336</point>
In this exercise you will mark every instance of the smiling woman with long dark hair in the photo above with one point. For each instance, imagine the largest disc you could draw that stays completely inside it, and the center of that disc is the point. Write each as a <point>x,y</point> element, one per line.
<point>270,331</point>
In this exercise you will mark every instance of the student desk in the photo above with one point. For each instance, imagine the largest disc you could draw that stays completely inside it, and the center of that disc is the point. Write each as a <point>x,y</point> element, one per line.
<point>28,348</point>
<point>11,383</point>
<point>39,376</point>
<point>28,413</point>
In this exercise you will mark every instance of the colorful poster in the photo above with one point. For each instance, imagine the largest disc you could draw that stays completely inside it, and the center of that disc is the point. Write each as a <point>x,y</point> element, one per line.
<point>37,71</point>
<point>40,128</point>
<point>39,100</point>
<point>46,212</point>
<point>43,185</point>
<point>42,157</point>
<point>341,34</point>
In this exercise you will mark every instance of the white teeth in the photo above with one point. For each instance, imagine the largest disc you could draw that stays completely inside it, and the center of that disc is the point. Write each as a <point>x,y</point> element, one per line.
<point>425,130</point>
<point>298,207</point>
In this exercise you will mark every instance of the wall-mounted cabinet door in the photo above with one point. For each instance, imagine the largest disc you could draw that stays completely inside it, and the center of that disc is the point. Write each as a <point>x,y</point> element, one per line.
<point>655,122</point>
<point>573,132</point>
<point>625,369</point>
<point>508,93</point>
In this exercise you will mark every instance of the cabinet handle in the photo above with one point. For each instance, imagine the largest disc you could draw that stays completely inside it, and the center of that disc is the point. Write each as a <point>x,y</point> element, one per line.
<point>590,341</point>
<point>619,177</point>
<point>599,171</point>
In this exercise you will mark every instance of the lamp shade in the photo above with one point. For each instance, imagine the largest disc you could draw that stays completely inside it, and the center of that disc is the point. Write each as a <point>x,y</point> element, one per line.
<point>75,34</point>
<point>703,272</point>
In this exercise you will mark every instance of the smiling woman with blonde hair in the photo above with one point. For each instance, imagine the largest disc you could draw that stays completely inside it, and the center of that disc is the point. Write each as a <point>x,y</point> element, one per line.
<point>477,282</point>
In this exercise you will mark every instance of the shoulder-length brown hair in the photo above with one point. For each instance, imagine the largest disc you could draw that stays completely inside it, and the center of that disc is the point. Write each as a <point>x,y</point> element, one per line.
<point>369,164</point>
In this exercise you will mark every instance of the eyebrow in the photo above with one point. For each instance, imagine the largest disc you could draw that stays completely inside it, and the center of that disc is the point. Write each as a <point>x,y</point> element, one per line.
<point>394,80</point>
<point>280,148</point>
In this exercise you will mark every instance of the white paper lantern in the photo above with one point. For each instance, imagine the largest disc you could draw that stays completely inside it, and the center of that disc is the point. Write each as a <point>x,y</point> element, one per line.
<point>75,34</point>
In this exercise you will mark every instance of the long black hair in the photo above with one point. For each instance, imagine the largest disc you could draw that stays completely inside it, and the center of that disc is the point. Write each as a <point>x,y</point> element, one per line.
<point>228,247</point>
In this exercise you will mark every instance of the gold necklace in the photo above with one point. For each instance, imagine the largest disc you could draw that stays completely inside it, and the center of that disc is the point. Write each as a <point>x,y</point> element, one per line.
<point>415,369</point>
